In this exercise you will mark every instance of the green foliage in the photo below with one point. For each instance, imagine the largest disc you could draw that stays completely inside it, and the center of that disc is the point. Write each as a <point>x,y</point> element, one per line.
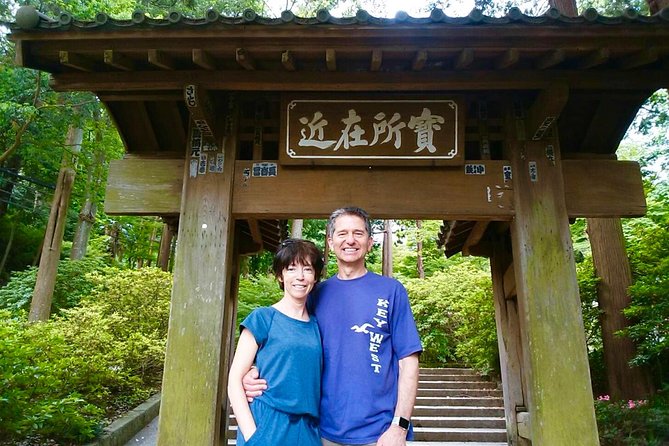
<point>72,283</point>
<point>633,423</point>
<point>405,251</point>
<point>455,316</point>
<point>256,291</point>
<point>61,379</point>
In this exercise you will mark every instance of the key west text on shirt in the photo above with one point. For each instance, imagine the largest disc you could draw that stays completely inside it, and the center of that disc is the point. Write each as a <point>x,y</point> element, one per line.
<point>376,329</point>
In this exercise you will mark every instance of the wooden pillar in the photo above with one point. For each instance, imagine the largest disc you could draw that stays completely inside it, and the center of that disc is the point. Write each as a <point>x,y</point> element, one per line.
<point>612,266</point>
<point>508,339</point>
<point>387,260</point>
<point>193,393</point>
<point>555,361</point>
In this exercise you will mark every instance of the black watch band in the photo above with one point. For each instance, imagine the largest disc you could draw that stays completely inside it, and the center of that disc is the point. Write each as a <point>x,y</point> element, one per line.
<point>401,422</point>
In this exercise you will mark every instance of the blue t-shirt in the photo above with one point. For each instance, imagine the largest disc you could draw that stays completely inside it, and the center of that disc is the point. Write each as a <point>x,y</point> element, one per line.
<point>367,327</point>
<point>290,359</point>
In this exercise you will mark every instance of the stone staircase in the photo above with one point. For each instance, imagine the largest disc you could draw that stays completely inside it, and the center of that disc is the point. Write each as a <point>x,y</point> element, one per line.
<point>454,406</point>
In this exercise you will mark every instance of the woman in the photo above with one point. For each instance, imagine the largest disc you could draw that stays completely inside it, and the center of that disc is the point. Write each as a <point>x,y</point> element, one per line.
<point>285,343</point>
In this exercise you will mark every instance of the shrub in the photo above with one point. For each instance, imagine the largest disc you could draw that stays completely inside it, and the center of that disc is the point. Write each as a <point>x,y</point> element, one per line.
<point>633,423</point>
<point>63,378</point>
<point>256,291</point>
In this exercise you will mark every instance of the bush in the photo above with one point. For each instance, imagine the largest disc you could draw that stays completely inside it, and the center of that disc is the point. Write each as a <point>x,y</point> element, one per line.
<point>62,379</point>
<point>633,423</point>
<point>72,284</point>
<point>256,291</point>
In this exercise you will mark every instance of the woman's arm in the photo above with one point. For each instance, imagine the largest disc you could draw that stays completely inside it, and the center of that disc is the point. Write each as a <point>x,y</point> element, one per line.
<point>243,360</point>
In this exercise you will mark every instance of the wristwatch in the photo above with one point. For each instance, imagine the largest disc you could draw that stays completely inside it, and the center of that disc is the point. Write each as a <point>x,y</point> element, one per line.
<point>401,422</point>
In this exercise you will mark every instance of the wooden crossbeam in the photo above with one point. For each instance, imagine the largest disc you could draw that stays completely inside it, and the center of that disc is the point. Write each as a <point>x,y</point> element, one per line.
<point>161,59</point>
<point>595,58</point>
<point>203,59</point>
<point>464,59</point>
<point>118,60</point>
<point>256,234</point>
<point>76,61</point>
<point>419,60</point>
<point>331,59</point>
<point>244,59</point>
<point>508,59</point>
<point>546,109</point>
<point>551,59</point>
<point>593,188</point>
<point>474,236</point>
<point>288,61</point>
<point>377,60</point>
<point>645,57</point>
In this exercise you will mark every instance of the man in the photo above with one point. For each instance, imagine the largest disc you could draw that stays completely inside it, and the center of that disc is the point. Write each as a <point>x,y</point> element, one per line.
<point>370,344</point>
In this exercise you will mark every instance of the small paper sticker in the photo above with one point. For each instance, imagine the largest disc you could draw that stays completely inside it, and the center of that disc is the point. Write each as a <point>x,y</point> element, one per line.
<point>264,169</point>
<point>534,175</point>
<point>508,175</point>
<point>193,168</point>
<point>474,169</point>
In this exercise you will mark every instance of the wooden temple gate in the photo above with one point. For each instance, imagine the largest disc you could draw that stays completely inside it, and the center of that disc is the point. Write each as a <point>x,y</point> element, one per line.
<point>204,108</point>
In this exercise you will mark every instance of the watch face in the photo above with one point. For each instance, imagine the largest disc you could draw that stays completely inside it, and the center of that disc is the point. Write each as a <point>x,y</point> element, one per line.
<point>404,423</point>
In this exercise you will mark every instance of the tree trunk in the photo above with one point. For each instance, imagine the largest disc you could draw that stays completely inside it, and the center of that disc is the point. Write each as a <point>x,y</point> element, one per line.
<point>169,230</point>
<point>40,306</point>
<point>419,250</point>
<point>152,240</point>
<point>296,229</point>
<point>656,6</point>
<point>8,248</point>
<point>387,249</point>
<point>612,267</point>
<point>7,186</point>
<point>89,209</point>
<point>566,7</point>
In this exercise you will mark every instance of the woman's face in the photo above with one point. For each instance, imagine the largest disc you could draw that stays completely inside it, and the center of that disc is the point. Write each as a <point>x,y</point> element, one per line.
<point>298,280</point>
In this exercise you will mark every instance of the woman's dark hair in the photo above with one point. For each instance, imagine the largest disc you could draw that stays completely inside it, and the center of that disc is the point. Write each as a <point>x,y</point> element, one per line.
<point>303,252</point>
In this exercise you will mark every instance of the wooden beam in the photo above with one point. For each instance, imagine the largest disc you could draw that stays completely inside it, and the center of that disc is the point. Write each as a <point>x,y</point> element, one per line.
<point>645,57</point>
<point>474,236</point>
<point>256,234</point>
<point>331,59</point>
<point>203,59</point>
<point>497,80</point>
<point>419,60</point>
<point>377,60</point>
<point>144,187</point>
<point>244,59</point>
<point>118,60</point>
<point>509,283</point>
<point>546,110</point>
<point>149,186</point>
<point>464,59</point>
<point>603,188</point>
<point>161,59</point>
<point>595,58</point>
<point>388,192</point>
<point>508,59</point>
<point>76,61</point>
<point>201,108</point>
<point>170,96</point>
<point>551,59</point>
<point>288,61</point>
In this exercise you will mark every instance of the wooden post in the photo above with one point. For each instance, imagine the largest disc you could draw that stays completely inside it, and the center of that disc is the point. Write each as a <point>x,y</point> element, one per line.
<point>40,306</point>
<point>555,361</point>
<point>296,228</point>
<point>508,339</point>
<point>613,269</point>
<point>166,239</point>
<point>193,393</point>
<point>387,265</point>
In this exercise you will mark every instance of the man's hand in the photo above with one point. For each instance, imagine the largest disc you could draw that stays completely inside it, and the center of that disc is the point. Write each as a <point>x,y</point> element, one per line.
<point>253,386</point>
<point>394,436</point>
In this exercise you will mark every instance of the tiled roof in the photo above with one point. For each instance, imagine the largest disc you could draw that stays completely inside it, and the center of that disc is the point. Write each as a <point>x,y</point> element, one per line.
<point>140,20</point>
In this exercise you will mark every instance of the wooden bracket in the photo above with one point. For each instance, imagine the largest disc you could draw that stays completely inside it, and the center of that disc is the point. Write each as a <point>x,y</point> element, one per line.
<point>201,109</point>
<point>546,110</point>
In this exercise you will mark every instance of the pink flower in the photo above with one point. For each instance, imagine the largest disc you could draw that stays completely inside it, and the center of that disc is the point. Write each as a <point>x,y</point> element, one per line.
<point>603,398</point>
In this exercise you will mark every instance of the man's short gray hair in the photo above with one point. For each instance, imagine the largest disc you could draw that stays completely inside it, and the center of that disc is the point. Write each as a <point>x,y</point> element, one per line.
<point>352,210</point>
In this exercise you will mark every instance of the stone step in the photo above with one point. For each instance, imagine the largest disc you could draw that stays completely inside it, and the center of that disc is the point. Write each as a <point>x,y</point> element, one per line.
<point>458,411</point>
<point>451,377</point>
<point>460,391</point>
<point>456,385</point>
<point>447,371</point>
<point>462,422</point>
<point>459,401</point>
<point>459,434</point>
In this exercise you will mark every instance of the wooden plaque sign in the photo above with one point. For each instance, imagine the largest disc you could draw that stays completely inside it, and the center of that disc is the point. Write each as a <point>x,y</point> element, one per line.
<point>372,131</point>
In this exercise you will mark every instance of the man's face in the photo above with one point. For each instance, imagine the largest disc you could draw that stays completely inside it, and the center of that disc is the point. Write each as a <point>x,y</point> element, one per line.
<point>350,240</point>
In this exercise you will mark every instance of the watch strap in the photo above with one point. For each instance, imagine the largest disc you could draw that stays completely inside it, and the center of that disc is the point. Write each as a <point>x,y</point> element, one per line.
<point>401,422</point>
